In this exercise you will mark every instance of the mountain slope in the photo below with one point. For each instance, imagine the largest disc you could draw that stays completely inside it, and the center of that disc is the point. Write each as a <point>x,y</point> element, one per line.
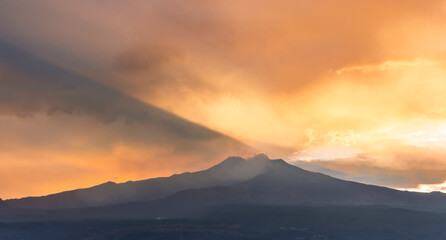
<point>287,184</point>
<point>230,171</point>
<point>275,182</point>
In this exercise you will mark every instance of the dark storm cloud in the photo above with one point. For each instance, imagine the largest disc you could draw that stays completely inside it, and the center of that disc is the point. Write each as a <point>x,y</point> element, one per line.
<point>30,85</point>
<point>157,71</point>
<point>143,59</point>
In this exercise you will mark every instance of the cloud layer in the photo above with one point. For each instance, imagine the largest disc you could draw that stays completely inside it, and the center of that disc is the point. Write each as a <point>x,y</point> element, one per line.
<point>284,76</point>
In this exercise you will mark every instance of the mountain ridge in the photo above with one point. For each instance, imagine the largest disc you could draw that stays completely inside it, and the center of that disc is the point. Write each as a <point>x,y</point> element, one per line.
<point>229,171</point>
<point>272,182</point>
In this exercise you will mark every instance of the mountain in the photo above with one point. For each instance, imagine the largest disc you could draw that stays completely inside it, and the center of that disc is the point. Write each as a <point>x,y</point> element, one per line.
<point>230,171</point>
<point>280,184</point>
<point>238,181</point>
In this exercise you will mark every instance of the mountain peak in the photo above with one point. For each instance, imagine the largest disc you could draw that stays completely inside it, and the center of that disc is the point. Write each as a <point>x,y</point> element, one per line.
<point>260,157</point>
<point>231,160</point>
<point>266,161</point>
<point>238,168</point>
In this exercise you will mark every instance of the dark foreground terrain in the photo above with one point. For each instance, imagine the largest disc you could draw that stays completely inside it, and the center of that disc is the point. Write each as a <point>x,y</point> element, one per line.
<point>248,222</point>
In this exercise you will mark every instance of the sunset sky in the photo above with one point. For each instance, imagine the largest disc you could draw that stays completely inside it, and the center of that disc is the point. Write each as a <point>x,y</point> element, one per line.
<point>93,92</point>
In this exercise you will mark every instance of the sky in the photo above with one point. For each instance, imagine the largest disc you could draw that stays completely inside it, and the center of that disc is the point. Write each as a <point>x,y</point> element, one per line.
<point>93,92</point>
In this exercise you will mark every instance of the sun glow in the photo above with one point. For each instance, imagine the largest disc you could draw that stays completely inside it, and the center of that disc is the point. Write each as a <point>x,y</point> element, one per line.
<point>441,187</point>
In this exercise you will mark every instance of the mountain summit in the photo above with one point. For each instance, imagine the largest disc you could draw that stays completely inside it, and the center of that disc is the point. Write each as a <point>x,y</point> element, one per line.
<point>237,168</point>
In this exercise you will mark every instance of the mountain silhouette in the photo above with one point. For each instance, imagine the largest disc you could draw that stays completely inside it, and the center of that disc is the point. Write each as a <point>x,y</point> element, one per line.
<point>258,180</point>
<point>230,171</point>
